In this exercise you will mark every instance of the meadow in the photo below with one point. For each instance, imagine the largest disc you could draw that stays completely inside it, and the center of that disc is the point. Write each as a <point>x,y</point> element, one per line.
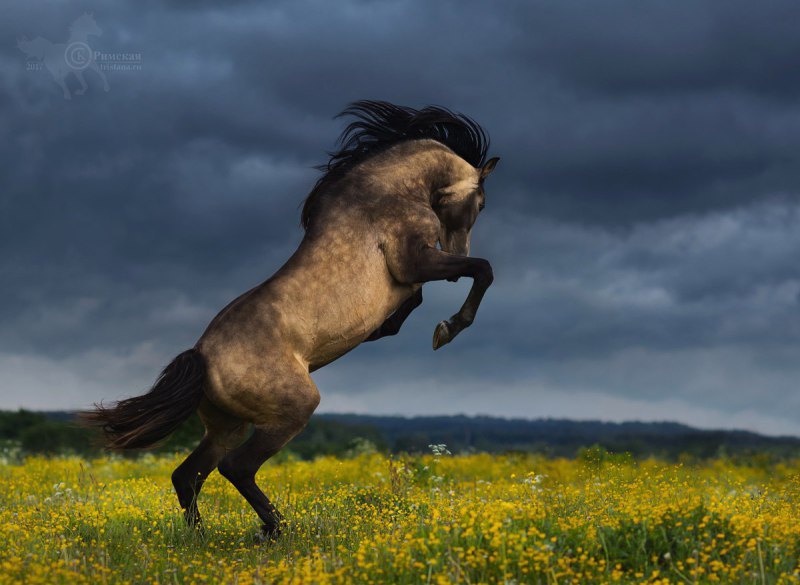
<point>436,518</point>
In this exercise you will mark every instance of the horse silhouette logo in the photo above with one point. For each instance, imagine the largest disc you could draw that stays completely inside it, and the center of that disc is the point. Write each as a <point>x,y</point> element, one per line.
<point>75,56</point>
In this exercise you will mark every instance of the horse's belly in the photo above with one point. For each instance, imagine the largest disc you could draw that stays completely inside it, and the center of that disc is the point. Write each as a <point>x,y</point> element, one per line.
<point>350,322</point>
<point>332,294</point>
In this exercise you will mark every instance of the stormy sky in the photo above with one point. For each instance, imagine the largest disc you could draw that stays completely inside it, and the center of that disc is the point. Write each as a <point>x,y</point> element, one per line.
<point>643,223</point>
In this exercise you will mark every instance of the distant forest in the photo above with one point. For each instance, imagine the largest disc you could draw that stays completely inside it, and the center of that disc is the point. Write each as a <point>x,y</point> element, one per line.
<point>26,432</point>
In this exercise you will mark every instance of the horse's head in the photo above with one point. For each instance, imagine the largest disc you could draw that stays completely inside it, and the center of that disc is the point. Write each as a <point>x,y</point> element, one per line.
<point>457,206</point>
<point>85,25</point>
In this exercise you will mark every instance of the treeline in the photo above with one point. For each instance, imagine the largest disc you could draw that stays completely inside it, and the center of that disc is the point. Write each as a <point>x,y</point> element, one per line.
<point>567,438</point>
<point>54,433</point>
<point>26,432</point>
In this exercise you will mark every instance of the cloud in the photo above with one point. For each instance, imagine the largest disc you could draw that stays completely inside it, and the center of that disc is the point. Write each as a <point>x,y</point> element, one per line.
<point>643,222</point>
<point>38,382</point>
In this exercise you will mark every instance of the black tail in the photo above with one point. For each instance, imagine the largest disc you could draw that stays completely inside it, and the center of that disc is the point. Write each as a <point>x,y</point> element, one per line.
<point>143,421</point>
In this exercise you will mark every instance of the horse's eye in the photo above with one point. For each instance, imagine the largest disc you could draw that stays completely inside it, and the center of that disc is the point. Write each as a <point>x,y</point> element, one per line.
<point>481,206</point>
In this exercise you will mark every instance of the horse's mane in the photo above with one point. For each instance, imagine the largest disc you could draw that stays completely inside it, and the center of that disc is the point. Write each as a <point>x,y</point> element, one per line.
<point>379,125</point>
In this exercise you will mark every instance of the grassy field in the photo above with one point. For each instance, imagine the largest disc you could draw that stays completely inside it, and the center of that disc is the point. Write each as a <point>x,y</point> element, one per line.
<point>433,519</point>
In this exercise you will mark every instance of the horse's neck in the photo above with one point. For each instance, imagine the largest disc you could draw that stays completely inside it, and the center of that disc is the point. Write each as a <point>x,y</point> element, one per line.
<point>77,36</point>
<point>426,163</point>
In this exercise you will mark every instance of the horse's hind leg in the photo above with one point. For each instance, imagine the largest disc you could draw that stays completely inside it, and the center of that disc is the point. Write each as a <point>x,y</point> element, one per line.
<point>190,475</point>
<point>240,468</point>
<point>188,478</point>
<point>287,418</point>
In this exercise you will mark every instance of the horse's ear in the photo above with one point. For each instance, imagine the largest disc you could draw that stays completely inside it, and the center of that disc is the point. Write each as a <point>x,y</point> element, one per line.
<point>489,167</point>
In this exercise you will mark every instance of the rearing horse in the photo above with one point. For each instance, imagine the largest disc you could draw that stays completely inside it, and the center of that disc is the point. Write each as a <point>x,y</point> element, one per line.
<point>403,181</point>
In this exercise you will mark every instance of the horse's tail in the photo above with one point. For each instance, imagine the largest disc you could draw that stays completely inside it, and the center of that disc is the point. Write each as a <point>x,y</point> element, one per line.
<point>143,421</point>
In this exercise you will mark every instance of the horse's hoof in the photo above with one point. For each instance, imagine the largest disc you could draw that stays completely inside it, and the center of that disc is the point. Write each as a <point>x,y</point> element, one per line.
<point>269,533</point>
<point>195,523</point>
<point>441,335</point>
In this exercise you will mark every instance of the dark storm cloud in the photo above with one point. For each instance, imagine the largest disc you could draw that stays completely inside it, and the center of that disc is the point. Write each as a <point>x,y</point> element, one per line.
<point>669,48</point>
<point>643,222</point>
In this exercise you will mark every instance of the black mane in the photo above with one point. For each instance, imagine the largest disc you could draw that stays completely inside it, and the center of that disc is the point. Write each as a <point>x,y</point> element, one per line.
<point>379,125</point>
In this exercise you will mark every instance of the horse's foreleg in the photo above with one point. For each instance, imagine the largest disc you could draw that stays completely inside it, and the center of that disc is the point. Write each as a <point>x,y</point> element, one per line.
<point>84,86</point>
<point>94,67</point>
<point>434,264</point>
<point>446,330</point>
<point>63,84</point>
<point>392,325</point>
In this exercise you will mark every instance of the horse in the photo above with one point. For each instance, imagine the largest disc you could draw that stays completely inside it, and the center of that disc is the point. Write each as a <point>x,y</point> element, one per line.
<point>74,56</point>
<point>393,209</point>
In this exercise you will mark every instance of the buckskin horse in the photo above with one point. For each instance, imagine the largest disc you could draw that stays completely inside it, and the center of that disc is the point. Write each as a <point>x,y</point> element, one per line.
<point>403,181</point>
